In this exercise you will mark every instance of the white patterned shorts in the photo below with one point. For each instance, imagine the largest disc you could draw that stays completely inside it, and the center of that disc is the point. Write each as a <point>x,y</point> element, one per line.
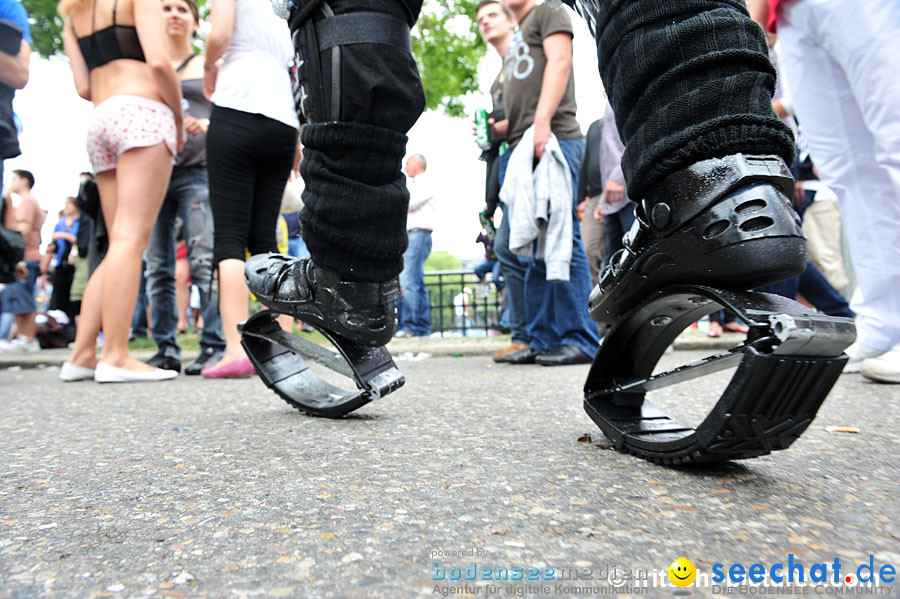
<point>123,122</point>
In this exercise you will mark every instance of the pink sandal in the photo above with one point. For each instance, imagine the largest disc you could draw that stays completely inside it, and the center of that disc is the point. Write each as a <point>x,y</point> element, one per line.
<point>733,327</point>
<point>239,368</point>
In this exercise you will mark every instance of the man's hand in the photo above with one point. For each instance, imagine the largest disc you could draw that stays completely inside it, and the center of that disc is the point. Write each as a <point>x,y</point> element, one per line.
<point>613,192</point>
<point>541,136</point>
<point>195,126</point>
<point>598,212</point>
<point>582,205</point>
<point>498,129</point>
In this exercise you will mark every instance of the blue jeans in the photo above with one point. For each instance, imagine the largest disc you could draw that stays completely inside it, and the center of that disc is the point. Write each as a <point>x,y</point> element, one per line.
<point>139,317</point>
<point>821,294</point>
<point>493,267</point>
<point>414,311</point>
<point>556,313</point>
<point>188,198</point>
<point>18,297</point>
<point>513,268</point>
<point>6,321</point>
<point>297,248</point>
<point>816,289</point>
<point>616,225</point>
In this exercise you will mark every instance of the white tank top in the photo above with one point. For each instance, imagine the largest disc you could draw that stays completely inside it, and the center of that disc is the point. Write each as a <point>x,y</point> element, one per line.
<point>255,76</point>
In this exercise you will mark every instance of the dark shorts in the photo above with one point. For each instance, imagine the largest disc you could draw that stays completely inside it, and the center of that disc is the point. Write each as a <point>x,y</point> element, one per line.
<point>18,297</point>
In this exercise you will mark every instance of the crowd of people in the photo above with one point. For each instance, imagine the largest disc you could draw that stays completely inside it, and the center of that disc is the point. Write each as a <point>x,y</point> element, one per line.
<point>156,101</point>
<point>179,136</point>
<point>546,271</point>
<point>530,39</point>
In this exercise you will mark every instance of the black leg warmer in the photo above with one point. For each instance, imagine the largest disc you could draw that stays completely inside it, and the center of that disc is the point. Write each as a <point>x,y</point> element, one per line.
<point>355,202</point>
<point>688,80</point>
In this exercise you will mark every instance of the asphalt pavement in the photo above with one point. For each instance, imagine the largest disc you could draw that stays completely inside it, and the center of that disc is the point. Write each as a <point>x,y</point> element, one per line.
<point>475,479</point>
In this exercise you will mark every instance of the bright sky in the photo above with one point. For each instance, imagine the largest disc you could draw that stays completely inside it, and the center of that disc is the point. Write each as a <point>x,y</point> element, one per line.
<point>55,120</point>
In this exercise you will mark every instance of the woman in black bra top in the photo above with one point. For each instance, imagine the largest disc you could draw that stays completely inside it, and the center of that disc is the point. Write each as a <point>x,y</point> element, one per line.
<point>119,56</point>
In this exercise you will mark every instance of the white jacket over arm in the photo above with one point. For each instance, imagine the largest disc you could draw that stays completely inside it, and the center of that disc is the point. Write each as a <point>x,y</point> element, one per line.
<point>539,205</point>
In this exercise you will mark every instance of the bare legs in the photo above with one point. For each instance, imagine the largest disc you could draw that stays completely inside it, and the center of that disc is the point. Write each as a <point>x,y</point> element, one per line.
<point>130,197</point>
<point>234,300</point>
<point>234,306</point>
<point>25,325</point>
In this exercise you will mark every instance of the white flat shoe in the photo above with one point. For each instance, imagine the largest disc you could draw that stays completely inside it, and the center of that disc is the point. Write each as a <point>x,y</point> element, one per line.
<point>71,372</point>
<point>110,374</point>
<point>883,369</point>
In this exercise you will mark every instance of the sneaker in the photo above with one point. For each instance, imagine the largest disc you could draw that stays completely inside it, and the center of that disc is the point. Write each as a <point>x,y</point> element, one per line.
<point>884,368</point>
<point>364,313</point>
<point>21,345</point>
<point>29,345</point>
<point>857,354</point>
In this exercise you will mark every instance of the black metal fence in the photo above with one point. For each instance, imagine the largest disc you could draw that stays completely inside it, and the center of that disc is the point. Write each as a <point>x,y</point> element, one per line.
<point>461,305</point>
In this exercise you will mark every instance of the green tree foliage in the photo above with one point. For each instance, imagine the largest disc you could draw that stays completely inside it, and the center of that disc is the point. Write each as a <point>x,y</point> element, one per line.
<point>448,49</point>
<point>445,42</point>
<point>441,260</point>
<point>46,26</point>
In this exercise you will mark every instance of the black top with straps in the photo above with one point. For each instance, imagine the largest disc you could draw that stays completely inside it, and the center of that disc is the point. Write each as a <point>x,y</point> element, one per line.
<point>110,43</point>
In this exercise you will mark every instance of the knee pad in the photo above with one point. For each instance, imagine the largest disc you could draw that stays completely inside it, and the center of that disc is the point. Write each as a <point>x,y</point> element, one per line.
<point>315,29</point>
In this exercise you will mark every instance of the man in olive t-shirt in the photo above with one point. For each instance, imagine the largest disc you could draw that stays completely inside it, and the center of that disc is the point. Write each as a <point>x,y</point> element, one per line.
<point>539,90</point>
<point>526,100</point>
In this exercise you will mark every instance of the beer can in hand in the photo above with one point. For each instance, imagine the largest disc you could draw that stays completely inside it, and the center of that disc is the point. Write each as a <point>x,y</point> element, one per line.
<point>482,129</point>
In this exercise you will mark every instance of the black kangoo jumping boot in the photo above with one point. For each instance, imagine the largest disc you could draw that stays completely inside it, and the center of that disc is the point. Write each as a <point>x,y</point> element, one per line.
<point>711,232</point>
<point>361,312</point>
<point>724,222</point>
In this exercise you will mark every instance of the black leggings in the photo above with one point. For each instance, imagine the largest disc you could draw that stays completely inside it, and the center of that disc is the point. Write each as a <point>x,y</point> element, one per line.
<point>688,80</point>
<point>355,203</point>
<point>249,157</point>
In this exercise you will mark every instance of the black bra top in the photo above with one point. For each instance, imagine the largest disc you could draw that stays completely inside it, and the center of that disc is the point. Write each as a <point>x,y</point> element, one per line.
<point>110,43</point>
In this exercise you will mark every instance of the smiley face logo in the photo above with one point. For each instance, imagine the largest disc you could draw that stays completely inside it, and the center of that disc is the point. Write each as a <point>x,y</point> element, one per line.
<point>682,572</point>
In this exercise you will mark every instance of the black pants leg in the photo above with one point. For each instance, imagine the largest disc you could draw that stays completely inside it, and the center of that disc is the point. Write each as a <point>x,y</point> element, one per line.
<point>688,80</point>
<point>355,202</point>
<point>249,161</point>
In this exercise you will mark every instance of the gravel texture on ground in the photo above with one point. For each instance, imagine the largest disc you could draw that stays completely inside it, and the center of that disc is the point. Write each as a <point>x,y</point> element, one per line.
<point>217,488</point>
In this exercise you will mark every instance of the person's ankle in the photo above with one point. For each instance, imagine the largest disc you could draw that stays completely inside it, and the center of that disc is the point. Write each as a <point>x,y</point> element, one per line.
<point>117,360</point>
<point>231,355</point>
<point>83,361</point>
